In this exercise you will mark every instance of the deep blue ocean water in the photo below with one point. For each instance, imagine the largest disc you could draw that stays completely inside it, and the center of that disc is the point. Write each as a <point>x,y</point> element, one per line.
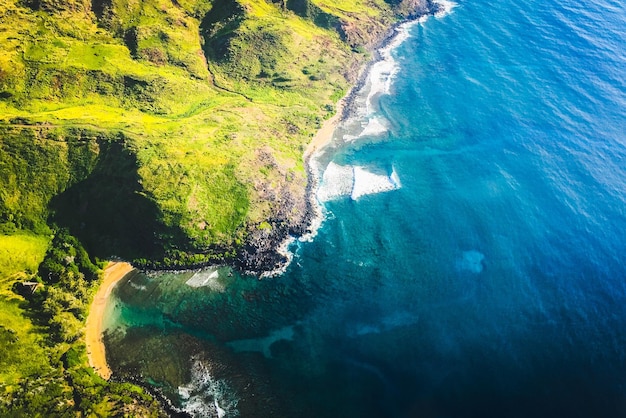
<point>472,262</point>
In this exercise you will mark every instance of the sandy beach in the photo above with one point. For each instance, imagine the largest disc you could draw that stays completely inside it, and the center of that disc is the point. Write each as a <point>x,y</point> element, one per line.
<point>113,273</point>
<point>325,134</point>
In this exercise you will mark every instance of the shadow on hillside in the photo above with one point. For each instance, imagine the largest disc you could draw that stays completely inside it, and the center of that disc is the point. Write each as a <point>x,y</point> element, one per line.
<point>110,213</point>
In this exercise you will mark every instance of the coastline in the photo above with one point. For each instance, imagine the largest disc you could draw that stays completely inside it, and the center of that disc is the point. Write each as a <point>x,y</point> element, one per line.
<point>325,135</point>
<point>345,107</point>
<point>113,273</point>
<point>271,264</point>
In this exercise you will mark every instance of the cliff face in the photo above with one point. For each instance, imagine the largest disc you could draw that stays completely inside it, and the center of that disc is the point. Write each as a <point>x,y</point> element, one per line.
<point>205,108</point>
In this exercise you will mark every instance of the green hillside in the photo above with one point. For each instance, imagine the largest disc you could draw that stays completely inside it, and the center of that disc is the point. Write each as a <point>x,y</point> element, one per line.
<point>211,104</point>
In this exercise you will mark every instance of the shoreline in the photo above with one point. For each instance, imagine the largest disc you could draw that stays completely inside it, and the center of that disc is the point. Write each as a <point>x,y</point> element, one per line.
<point>113,273</point>
<point>325,135</point>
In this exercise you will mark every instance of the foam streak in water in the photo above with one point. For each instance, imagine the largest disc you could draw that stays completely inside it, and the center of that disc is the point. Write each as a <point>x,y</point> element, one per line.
<point>445,9</point>
<point>337,181</point>
<point>382,73</point>
<point>208,278</point>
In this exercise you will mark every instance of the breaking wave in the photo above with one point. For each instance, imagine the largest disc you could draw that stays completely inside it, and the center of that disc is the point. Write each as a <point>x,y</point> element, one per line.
<point>206,396</point>
<point>446,8</point>
<point>340,181</point>
<point>206,278</point>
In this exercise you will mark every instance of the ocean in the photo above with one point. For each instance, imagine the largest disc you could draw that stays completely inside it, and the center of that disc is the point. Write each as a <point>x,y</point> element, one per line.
<point>472,257</point>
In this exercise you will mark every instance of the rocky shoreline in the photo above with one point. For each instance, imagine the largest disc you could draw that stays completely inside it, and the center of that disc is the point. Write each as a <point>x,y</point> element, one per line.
<point>424,8</point>
<point>165,403</point>
<point>265,253</point>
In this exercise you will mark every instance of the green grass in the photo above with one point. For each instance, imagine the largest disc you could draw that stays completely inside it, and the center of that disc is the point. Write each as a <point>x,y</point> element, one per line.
<point>37,376</point>
<point>22,355</point>
<point>19,253</point>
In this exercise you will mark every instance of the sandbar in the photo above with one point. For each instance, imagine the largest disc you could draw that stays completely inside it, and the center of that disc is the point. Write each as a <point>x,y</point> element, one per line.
<point>113,273</point>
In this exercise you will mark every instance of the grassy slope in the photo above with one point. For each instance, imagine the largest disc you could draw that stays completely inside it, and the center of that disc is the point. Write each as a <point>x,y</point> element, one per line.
<point>20,255</point>
<point>139,68</point>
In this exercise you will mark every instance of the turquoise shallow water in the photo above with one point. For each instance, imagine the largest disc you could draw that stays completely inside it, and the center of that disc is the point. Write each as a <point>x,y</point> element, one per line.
<point>472,261</point>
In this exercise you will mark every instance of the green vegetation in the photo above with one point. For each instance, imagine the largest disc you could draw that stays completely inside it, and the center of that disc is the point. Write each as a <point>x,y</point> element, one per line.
<point>43,365</point>
<point>165,132</point>
<point>20,255</point>
<point>193,92</point>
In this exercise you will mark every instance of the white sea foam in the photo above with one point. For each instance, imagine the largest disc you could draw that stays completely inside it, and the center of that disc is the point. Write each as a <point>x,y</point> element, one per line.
<point>395,179</point>
<point>381,75</point>
<point>318,213</point>
<point>380,79</point>
<point>383,72</point>
<point>337,181</point>
<point>208,278</point>
<point>366,182</point>
<point>343,180</point>
<point>283,249</point>
<point>136,286</point>
<point>206,396</point>
<point>316,223</point>
<point>376,126</point>
<point>446,8</point>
